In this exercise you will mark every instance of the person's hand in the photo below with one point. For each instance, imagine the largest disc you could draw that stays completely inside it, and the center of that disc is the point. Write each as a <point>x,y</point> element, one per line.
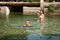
<point>39,21</point>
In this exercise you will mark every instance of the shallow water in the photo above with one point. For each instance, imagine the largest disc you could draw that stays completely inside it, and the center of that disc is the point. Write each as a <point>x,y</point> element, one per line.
<point>51,24</point>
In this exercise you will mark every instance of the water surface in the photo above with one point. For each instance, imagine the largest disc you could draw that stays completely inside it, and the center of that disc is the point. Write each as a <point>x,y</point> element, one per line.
<point>12,28</point>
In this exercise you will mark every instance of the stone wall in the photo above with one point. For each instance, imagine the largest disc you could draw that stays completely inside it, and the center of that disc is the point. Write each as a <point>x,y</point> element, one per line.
<point>4,11</point>
<point>32,10</point>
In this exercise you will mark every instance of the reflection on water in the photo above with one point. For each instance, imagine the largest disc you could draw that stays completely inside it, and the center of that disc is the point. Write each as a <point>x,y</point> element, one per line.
<point>12,28</point>
<point>37,37</point>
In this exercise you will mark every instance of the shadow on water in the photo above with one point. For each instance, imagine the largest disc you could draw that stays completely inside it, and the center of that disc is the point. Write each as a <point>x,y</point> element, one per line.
<point>14,37</point>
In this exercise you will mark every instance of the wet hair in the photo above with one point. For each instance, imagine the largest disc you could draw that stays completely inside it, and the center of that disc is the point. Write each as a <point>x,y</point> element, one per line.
<point>27,20</point>
<point>42,11</point>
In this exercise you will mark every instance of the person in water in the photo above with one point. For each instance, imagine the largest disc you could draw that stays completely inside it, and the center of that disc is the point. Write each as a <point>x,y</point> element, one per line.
<point>41,19</point>
<point>27,23</point>
<point>41,16</point>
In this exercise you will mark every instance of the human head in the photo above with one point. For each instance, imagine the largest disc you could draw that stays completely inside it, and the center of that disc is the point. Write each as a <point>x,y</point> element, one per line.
<point>41,11</point>
<point>27,21</point>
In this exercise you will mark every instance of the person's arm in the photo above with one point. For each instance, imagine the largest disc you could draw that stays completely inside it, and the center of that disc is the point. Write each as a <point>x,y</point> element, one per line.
<point>24,24</point>
<point>38,14</point>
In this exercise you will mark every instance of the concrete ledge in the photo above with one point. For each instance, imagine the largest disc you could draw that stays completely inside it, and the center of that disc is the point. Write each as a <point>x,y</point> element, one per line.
<point>32,10</point>
<point>4,11</point>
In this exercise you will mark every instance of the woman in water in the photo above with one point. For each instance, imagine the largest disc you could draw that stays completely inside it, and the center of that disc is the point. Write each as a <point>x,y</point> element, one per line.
<point>41,19</point>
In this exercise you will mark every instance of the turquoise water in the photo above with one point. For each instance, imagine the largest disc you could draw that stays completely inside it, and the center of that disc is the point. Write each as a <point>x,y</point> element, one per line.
<point>15,22</point>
